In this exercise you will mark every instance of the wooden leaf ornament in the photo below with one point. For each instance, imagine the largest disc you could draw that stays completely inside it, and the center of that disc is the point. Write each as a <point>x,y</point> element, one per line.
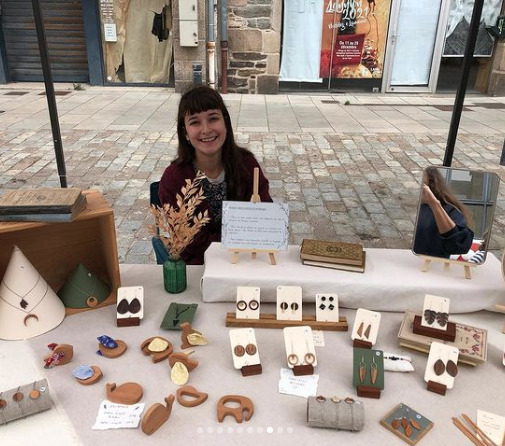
<point>442,319</point>
<point>408,431</point>
<point>395,423</point>
<point>429,316</point>
<point>451,368</point>
<point>439,367</point>
<point>405,422</point>
<point>415,424</point>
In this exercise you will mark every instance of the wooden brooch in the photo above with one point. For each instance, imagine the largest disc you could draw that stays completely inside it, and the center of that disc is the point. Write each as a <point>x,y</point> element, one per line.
<point>158,348</point>
<point>183,358</point>
<point>60,354</point>
<point>190,337</point>
<point>87,375</point>
<point>110,348</point>
<point>127,393</point>
<point>244,405</point>
<point>156,415</point>
<point>197,397</point>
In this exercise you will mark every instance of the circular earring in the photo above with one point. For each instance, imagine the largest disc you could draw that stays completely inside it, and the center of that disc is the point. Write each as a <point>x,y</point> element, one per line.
<point>254,305</point>
<point>251,349</point>
<point>3,403</point>
<point>284,306</point>
<point>239,350</point>
<point>292,359</point>
<point>294,306</point>
<point>241,305</point>
<point>310,358</point>
<point>34,393</point>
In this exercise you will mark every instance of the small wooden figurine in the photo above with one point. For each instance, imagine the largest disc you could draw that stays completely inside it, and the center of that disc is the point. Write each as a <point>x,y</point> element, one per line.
<point>127,393</point>
<point>244,405</point>
<point>87,375</point>
<point>60,354</point>
<point>183,357</point>
<point>156,416</point>
<point>197,397</point>
<point>110,348</point>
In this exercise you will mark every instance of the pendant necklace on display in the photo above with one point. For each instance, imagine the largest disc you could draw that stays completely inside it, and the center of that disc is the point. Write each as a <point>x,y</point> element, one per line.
<point>92,300</point>
<point>23,304</point>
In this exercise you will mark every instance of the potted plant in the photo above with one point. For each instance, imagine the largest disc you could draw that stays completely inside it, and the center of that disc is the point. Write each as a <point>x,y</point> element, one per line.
<point>177,226</point>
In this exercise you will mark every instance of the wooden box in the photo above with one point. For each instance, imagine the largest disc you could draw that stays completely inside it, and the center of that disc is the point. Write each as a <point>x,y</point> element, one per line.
<point>55,249</point>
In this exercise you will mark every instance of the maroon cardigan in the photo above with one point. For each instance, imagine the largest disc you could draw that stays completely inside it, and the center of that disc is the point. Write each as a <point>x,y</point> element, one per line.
<point>174,178</point>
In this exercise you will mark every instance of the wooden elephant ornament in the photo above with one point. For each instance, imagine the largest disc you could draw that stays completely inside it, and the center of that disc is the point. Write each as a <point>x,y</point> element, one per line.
<point>244,405</point>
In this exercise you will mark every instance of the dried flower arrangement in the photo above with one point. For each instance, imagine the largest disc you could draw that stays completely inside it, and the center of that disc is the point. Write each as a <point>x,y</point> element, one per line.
<point>178,225</point>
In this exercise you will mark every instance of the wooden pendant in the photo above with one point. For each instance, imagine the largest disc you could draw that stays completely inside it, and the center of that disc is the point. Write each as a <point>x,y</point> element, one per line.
<point>245,405</point>
<point>113,352</point>
<point>184,359</point>
<point>157,415</point>
<point>64,353</point>
<point>190,337</point>
<point>197,397</point>
<point>127,393</point>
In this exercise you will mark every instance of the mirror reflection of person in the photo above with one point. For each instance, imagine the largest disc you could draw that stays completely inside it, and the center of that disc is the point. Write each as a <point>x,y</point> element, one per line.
<point>442,224</point>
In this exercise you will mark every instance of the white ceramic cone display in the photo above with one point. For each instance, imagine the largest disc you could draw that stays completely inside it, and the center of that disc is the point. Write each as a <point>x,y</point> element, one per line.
<point>28,305</point>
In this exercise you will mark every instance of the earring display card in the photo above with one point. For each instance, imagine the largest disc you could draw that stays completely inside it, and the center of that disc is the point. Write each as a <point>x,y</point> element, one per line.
<point>289,303</point>
<point>248,302</point>
<point>435,312</point>
<point>368,368</point>
<point>366,325</point>
<point>327,307</point>
<point>442,363</point>
<point>24,400</point>
<point>299,343</point>
<point>177,314</point>
<point>407,424</point>
<point>244,348</point>
<point>130,302</point>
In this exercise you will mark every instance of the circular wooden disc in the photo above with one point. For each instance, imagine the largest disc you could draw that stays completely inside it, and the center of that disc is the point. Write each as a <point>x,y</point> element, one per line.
<point>34,394</point>
<point>3,403</point>
<point>113,352</point>
<point>97,375</point>
<point>18,396</point>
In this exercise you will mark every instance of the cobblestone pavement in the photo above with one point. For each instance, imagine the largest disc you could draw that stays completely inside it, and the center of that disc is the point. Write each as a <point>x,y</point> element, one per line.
<point>345,183</point>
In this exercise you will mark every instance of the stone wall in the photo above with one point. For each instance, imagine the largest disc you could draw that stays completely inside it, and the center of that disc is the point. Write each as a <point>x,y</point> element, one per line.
<point>254,33</point>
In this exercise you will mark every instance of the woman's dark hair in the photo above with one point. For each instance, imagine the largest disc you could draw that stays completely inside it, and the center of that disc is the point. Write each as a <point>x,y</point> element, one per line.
<point>197,100</point>
<point>438,186</point>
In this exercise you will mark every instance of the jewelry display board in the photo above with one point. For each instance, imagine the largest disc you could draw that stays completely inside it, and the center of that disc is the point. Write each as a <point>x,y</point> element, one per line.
<point>55,249</point>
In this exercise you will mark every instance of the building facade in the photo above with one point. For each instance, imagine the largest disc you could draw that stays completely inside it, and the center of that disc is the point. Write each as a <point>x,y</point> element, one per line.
<point>257,46</point>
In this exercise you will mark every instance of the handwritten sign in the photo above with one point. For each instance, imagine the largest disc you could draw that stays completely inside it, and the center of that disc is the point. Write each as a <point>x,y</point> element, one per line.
<point>255,226</point>
<point>110,32</point>
<point>118,416</point>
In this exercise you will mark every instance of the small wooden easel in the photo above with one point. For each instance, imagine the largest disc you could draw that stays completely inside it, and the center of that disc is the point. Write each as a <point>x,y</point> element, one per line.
<point>447,263</point>
<point>255,198</point>
<point>501,309</point>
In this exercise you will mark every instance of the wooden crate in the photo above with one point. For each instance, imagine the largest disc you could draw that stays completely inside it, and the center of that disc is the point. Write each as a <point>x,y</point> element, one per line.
<point>55,249</point>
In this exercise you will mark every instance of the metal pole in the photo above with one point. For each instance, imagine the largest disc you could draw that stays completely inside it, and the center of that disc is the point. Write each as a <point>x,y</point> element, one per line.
<point>51,99</point>
<point>460,95</point>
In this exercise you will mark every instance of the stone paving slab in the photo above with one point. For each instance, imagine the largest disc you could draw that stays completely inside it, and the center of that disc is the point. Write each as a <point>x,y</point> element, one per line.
<point>349,172</point>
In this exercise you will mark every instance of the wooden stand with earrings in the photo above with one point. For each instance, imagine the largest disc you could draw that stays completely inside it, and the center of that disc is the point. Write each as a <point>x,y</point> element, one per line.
<point>445,335</point>
<point>255,198</point>
<point>271,321</point>
<point>358,343</point>
<point>447,263</point>
<point>436,388</point>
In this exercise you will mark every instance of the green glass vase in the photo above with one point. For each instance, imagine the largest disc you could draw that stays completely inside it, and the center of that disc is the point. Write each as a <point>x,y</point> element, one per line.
<point>174,276</point>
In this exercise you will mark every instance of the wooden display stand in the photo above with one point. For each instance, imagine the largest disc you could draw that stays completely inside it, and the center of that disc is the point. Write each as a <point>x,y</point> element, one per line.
<point>250,370</point>
<point>436,388</point>
<point>368,392</point>
<point>303,370</point>
<point>271,321</point>
<point>447,263</point>
<point>445,335</point>
<point>255,198</point>
<point>55,249</point>
<point>358,343</point>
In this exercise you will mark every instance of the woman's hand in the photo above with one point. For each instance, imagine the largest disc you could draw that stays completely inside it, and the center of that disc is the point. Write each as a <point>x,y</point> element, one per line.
<point>427,196</point>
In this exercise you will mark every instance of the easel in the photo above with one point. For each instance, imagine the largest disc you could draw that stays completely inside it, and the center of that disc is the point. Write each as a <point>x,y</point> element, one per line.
<point>447,263</point>
<point>501,309</point>
<point>255,198</point>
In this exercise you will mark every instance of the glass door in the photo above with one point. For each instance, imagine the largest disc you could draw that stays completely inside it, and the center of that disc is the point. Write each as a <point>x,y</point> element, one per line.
<point>415,42</point>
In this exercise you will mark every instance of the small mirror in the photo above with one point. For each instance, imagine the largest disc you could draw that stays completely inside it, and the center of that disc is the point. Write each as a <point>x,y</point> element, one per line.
<point>455,214</point>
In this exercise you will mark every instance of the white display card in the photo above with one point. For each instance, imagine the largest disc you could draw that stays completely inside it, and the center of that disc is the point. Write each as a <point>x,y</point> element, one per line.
<point>299,343</point>
<point>289,303</point>
<point>118,416</point>
<point>327,307</point>
<point>130,302</point>
<point>366,325</point>
<point>255,226</point>
<point>444,358</point>
<point>303,386</point>
<point>248,302</point>
<point>492,425</point>
<point>110,34</point>
<point>435,312</point>
<point>244,348</point>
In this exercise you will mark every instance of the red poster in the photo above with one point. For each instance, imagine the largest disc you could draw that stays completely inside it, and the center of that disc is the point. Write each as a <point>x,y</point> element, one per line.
<point>353,39</point>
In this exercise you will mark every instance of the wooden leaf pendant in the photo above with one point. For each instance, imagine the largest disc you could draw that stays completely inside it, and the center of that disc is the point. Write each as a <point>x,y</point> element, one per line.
<point>362,370</point>
<point>367,331</point>
<point>408,431</point>
<point>360,330</point>
<point>415,424</point>
<point>395,423</point>
<point>373,372</point>
<point>451,368</point>
<point>405,422</point>
<point>429,316</point>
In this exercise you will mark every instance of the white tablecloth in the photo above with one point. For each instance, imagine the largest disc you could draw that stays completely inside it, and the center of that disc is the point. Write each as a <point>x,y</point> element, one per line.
<point>278,419</point>
<point>392,281</point>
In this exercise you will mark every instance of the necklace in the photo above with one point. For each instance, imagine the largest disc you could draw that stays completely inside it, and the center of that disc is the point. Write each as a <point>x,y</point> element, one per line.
<point>91,299</point>
<point>23,309</point>
<point>23,302</point>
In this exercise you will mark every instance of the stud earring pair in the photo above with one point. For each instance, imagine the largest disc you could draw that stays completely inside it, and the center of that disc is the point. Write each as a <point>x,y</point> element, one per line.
<point>367,331</point>
<point>331,307</point>
<point>430,316</point>
<point>242,305</point>
<point>440,368</point>
<point>240,350</point>
<point>284,306</point>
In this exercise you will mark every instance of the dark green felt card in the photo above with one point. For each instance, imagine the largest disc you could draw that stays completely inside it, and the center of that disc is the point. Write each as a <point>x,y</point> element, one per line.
<point>177,314</point>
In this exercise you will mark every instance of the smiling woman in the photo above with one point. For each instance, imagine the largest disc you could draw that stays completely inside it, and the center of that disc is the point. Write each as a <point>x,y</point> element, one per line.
<point>207,144</point>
